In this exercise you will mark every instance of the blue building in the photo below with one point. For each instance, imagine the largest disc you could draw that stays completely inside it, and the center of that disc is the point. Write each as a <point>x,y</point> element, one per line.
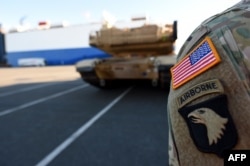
<point>63,45</point>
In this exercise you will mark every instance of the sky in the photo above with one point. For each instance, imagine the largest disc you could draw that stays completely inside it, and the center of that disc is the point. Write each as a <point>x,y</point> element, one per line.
<point>188,13</point>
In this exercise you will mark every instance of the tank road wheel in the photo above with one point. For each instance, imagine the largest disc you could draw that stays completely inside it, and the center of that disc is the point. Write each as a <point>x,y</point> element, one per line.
<point>106,84</point>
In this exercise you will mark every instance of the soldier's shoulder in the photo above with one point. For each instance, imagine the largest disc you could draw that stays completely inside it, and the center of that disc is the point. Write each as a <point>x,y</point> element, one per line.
<point>231,17</point>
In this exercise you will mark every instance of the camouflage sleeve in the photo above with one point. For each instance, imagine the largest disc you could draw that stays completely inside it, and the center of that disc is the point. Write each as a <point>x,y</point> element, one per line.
<point>173,160</point>
<point>172,153</point>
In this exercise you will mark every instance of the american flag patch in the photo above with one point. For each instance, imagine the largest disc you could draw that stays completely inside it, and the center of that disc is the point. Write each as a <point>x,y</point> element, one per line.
<point>203,57</point>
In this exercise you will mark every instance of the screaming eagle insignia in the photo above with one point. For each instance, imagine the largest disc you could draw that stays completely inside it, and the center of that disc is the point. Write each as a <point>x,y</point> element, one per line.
<point>214,123</point>
<point>210,125</point>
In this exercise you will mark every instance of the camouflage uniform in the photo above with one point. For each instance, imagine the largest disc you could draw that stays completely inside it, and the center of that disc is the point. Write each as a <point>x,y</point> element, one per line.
<point>209,99</point>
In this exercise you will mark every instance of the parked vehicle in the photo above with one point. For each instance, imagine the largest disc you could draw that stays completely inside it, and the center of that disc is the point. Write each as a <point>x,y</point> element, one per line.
<point>138,53</point>
<point>25,62</point>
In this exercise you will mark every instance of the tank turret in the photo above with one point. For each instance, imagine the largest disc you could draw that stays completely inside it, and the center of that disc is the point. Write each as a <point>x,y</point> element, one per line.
<point>145,52</point>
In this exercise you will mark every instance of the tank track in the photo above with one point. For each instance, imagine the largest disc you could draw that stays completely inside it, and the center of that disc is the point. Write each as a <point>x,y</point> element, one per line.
<point>91,78</point>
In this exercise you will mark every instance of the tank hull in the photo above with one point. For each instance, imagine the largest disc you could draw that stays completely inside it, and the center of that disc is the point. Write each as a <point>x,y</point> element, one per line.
<point>107,72</point>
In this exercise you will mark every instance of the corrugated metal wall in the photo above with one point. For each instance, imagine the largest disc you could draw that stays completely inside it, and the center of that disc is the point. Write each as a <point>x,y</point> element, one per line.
<point>56,38</point>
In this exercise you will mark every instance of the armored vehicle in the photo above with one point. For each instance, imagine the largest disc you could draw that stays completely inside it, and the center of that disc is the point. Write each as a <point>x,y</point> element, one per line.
<point>138,53</point>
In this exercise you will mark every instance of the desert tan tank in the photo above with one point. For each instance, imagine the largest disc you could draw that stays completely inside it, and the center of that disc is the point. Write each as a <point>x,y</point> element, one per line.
<point>138,53</point>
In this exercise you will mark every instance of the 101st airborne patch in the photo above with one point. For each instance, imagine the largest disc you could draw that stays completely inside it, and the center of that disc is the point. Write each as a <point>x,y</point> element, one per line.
<point>200,59</point>
<point>210,125</point>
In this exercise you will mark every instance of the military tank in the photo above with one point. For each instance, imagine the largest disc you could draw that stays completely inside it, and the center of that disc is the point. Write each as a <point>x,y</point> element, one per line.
<point>138,53</point>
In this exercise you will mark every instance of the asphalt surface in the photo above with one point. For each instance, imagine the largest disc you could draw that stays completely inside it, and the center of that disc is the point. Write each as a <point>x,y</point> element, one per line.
<point>49,116</point>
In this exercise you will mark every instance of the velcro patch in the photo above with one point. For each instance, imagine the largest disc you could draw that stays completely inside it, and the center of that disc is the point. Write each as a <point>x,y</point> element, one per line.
<point>204,88</point>
<point>210,125</point>
<point>200,59</point>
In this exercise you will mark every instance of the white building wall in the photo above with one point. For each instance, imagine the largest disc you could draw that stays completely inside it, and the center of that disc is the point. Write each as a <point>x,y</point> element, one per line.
<point>76,36</point>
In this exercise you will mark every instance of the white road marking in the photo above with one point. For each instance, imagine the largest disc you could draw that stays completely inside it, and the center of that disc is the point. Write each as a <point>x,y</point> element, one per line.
<point>8,111</point>
<point>51,156</point>
<point>26,89</point>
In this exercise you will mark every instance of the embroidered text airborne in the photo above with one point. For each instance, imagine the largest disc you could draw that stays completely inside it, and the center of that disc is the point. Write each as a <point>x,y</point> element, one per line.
<point>197,90</point>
